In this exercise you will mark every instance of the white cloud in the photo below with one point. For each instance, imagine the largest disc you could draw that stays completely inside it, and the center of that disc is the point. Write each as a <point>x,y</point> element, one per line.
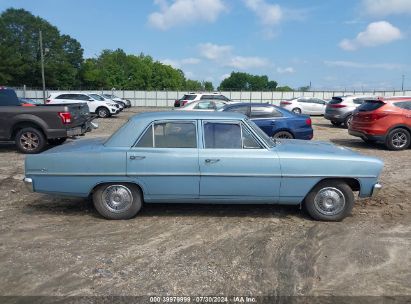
<point>179,63</point>
<point>387,7</point>
<point>243,63</point>
<point>360,65</point>
<point>224,76</point>
<point>182,12</point>
<point>376,33</point>
<point>214,51</point>
<point>287,70</point>
<point>269,14</point>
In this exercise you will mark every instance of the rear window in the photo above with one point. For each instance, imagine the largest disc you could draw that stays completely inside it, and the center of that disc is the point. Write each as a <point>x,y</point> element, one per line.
<point>188,97</point>
<point>370,105</point>
<point>336,100</point>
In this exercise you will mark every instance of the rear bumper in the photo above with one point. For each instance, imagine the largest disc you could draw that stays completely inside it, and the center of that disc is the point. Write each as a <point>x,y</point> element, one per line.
<point>304,134</point>
<point>335,117</point>
<point>28,182</point>
<point>364,135</point>
<point>376,189</point>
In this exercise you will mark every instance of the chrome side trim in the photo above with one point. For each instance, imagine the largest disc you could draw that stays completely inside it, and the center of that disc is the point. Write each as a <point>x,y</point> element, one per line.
<point>376,189</point>
<point>28,182</point>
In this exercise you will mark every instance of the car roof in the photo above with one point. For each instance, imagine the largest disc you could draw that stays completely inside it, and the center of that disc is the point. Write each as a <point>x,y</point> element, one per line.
<point>188,115</point>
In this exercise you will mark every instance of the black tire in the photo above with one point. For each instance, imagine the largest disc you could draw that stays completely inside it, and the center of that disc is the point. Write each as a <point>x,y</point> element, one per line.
<point>30,140</point>
<point>319,214</point>
<point>398,139</point>
<point>335,123</point>
<point>128,195</point>
<point>347,121</point>
<point>103,112</point>
<point>283,134</point>
<point>296,111</point>
<point>57,141</point>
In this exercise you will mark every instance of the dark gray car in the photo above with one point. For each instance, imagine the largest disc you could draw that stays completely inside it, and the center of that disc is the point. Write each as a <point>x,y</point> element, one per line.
<point>340,109</point>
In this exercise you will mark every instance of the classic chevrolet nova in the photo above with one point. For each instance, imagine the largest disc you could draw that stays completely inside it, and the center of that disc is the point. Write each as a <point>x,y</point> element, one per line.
<point>193,157</point>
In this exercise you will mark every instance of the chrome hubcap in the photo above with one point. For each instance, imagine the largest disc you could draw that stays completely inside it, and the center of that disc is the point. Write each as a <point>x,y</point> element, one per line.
<point>399,140</point>
<point>329,201</point>
<point>102,113</point>
<point>29,141</point>
<point>285,135</point>
<point>117,198</point>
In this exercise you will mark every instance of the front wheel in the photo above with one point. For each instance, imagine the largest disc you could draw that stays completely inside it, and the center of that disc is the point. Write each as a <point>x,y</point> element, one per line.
<point>103,112</point>
<point>330,201</point>
<point>398,139</point>
<point>119,201</point>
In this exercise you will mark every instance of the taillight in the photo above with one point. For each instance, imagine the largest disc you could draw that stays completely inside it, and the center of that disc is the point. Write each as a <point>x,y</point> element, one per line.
<point>374,116</point>
<point>337,106</point>
<point>285,103</point>
<point>65,117</point>
<point>308,121</point>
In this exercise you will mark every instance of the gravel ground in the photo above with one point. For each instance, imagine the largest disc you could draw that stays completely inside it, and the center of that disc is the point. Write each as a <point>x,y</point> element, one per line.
<point>61,246</point>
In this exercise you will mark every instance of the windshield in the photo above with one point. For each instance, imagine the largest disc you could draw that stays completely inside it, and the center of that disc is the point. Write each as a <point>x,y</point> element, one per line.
<point>269,142</point>
<point>97,97</point>
<point>188,97</point>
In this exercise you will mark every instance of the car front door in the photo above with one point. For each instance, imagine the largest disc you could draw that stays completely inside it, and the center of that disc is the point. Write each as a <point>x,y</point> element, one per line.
<point>235,166</point>
<point>165,161</point>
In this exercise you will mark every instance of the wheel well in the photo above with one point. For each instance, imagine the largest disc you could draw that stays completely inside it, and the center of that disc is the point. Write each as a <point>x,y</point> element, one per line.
<point>352,182</point>
<point>399,127</point>
<point>284,130</point>
<point>17,127</point>
<point>116,182</point>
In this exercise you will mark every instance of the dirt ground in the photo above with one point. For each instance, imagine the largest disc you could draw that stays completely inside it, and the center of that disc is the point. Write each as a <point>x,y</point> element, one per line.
<point>61,246</point>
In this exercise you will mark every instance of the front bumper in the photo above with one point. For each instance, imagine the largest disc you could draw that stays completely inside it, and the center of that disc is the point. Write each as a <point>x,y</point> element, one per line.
<point>28,182</point>
<point>376,189</point>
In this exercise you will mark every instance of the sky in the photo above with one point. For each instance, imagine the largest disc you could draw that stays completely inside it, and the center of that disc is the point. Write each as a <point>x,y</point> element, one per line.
<point>332,44</point>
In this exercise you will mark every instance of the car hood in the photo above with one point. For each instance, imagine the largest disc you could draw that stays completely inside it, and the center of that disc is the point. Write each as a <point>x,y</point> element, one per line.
<point>79,145</point>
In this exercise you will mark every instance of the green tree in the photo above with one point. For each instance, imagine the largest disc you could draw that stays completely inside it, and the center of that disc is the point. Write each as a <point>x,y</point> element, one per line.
<point>284,89</point>
<point>208,86</point>
<point>20,52</point>
<point>244,81</point>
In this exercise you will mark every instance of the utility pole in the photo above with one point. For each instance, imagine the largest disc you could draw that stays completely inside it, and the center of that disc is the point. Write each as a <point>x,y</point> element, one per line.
<point>402,83</point>
<point>42,66</point>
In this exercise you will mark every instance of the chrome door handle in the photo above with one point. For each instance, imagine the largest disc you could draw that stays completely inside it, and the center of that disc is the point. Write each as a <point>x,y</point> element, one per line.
<point>212,161</point>
<point>134,157</point>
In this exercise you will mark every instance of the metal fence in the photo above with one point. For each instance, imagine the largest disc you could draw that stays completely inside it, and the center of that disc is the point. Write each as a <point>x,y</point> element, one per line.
<point>167,98</point>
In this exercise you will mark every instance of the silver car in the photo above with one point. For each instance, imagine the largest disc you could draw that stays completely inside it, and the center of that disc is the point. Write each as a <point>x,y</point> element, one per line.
<point>340,109</point>
<point>305,105</point>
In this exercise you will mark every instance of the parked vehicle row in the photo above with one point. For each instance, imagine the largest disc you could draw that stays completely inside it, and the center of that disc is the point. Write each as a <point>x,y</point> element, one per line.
<point>34,127</point>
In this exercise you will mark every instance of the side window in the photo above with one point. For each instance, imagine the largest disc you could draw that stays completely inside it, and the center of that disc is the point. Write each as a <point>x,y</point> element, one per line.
<point>205,105</point>
<point>239,109</point>
<point>83,97</point>
<point>358,101</point>
<point>219,104</point>
<point>222,135</point>
<point>264,112</point>
<point>207,97</point>
<point>146,141</point>
<point>403,105</point>
<point>62,96</point>
<point>249,142</point>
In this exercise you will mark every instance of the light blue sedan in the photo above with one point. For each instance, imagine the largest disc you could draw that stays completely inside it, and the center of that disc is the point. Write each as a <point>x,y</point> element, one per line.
<point>193,157</point>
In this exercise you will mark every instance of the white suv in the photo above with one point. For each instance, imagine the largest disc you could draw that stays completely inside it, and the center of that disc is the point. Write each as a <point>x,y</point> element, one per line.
<point>190,97</point>
<point>101,108</point>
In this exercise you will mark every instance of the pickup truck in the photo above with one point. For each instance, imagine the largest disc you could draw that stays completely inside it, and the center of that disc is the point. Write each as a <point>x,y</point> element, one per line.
<point>33,127</point>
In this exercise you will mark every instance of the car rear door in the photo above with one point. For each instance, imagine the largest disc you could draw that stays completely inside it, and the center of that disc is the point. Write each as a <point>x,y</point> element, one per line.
<point>235,166</point>
<point>267,118</point>
<point>165,160</point>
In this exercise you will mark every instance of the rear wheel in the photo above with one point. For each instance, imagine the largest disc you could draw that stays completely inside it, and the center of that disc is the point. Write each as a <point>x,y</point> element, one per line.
<point>336,123</point>
<point>347,121</point>
<point>296,110</point>
<point>283,134</point>
<point>398,139</point>
<point>330,201</point>
<point>119,201</point>
<point>30,140</point>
